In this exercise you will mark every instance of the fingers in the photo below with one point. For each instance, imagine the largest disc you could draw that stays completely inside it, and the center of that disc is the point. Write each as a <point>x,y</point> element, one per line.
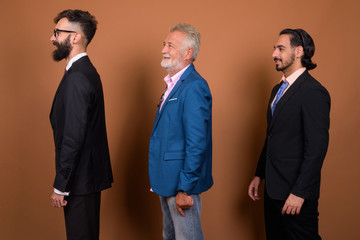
<point>180,211</point>
<point>183,202</point>
<point>292,205</point>
<point>53,200</point>
<point>253,191</point>
<point>64,202</point>
<point>58,200</point>
<point>283,210</point>
<point>290,210</point>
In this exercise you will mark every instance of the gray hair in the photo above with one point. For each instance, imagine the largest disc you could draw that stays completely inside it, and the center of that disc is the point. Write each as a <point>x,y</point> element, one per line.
<point>192,37</point>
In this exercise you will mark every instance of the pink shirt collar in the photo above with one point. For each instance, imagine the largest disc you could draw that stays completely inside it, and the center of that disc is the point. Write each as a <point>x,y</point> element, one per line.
<point>171,82</point>
<point>292,78</point>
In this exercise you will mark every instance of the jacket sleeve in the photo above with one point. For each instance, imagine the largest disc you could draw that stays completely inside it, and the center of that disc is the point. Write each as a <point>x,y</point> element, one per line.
<point>197,121</point>
<point>260,169</point>
<point>315,118</point>
<point>76,102</point>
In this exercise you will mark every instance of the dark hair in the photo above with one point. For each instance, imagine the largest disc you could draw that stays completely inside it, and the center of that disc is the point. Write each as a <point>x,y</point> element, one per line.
<point>87,22</point>
<point>300,37</point>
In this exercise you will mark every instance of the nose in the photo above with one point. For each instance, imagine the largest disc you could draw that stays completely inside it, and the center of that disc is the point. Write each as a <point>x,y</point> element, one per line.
<point>164,49</point>
<point>275,54</point>
<point>52,38</point>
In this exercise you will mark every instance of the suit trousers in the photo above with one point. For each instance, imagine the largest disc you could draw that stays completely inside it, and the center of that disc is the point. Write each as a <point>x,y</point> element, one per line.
<point>82,217</point>
<point>291,227</point>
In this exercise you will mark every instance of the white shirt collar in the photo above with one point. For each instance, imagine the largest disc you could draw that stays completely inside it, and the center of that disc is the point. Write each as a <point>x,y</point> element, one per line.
<point>77,57</point>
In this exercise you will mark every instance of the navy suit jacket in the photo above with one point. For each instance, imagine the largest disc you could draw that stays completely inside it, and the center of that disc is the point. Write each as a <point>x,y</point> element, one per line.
<point>180,153</point>
<point>297,140</point>
<point>78,122</point>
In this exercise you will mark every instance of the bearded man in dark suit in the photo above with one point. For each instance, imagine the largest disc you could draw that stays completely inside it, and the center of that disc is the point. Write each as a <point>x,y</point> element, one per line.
<point>77,118</point>
<point>296,143</point>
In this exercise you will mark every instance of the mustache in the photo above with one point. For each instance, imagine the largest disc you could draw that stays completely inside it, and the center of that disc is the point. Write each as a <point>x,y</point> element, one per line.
<point>166,55</point>
<point>56,44</point>
<point>276,59</point>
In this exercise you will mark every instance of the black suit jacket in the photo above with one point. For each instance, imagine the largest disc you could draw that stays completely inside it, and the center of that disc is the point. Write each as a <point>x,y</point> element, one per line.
<point>78,122</point>
<point>297,140</point>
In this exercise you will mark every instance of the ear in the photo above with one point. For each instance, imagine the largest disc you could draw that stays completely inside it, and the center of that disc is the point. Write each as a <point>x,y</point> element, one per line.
<point>189,53</point>
<point>299,51</point>
<point>77,38</point>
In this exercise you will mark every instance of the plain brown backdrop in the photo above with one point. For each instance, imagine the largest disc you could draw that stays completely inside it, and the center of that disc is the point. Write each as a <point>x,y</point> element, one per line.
<point>235,58</point>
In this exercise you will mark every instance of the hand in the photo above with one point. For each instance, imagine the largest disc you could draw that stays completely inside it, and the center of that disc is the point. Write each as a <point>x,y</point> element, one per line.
<point>253,190</point>
<point>183,201</point>
<point>58,200</point>
<point>292,205</point>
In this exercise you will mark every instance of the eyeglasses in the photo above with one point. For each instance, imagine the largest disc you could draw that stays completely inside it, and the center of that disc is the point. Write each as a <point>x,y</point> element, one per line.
<point>56,30</point>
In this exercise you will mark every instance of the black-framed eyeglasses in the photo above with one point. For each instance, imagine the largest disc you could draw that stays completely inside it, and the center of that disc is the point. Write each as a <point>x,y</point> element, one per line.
<point>56,30</point>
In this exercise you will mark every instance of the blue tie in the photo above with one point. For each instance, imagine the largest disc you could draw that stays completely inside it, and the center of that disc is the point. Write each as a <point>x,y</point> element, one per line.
<point>278,95</point>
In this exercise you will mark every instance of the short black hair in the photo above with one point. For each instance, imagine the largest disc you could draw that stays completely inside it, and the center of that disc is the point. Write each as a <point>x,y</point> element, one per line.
<point>299,37</point>
<point>87,21</point>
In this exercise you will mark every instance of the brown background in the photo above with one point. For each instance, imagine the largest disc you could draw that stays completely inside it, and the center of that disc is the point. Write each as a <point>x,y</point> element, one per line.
<point>235,58</point>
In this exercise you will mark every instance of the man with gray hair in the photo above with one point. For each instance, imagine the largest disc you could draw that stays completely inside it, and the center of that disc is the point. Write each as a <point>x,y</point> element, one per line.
<point>180,152</point>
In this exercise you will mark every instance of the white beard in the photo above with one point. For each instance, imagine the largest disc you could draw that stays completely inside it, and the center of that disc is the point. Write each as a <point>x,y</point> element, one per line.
<point>169,64</point>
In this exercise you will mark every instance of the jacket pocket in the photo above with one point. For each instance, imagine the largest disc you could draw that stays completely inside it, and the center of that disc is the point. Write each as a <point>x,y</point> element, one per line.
<point>169,156</point>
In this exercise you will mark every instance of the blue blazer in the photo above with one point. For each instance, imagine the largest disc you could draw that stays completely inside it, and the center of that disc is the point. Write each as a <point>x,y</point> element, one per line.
<point>180,153</point>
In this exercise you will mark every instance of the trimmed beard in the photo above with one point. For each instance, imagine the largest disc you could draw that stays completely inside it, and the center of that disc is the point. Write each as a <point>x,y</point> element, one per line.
<point>171,65</point>
<point>287,63</point>
<point>63,50</point>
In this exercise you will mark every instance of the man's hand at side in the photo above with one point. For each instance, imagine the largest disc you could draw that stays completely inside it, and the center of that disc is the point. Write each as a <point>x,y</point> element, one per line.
<point>253,190</point>
<point>292,205</point>
<point>183,201</point>
<point>58,200</point>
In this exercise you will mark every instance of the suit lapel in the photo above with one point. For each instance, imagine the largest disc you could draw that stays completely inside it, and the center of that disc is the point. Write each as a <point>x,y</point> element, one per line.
<point>273,94</point>
<point>173,91</point>
<point>287,96</point>
<point>57,92</point>
<point>74,65</point>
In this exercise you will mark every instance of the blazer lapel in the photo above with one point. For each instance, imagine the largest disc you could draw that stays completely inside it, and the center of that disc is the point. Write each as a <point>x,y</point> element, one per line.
<point>60,85</point>
<point>74,65</point>
<point>173,91</point>
<point>57,92</point>
<point>286,97</point>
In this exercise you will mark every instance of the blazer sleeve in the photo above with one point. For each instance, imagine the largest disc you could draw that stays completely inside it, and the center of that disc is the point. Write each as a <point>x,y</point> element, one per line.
<point>197,128</point>
<point>76,101</point>
<point>260,169</point>
<point>316,122</point>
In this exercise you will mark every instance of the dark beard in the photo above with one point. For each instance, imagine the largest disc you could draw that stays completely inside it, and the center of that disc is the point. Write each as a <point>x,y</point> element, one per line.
<point>63,50</point>
<point>287,64</point>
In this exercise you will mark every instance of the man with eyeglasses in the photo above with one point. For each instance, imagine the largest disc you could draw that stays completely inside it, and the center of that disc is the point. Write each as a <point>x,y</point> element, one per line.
<point>82,159</point>
<point>296,142</point>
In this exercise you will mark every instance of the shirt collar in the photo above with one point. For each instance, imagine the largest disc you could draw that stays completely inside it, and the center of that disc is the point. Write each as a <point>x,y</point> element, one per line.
<point>74,59</point>
<point>168,79</point>
<point>291,79</point>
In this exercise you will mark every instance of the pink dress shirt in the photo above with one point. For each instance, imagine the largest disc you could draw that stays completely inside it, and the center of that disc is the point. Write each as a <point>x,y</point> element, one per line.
<point>171,82</point>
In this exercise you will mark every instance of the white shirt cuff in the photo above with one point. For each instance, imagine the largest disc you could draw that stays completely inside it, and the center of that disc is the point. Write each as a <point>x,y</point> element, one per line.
<point>61,193</point>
